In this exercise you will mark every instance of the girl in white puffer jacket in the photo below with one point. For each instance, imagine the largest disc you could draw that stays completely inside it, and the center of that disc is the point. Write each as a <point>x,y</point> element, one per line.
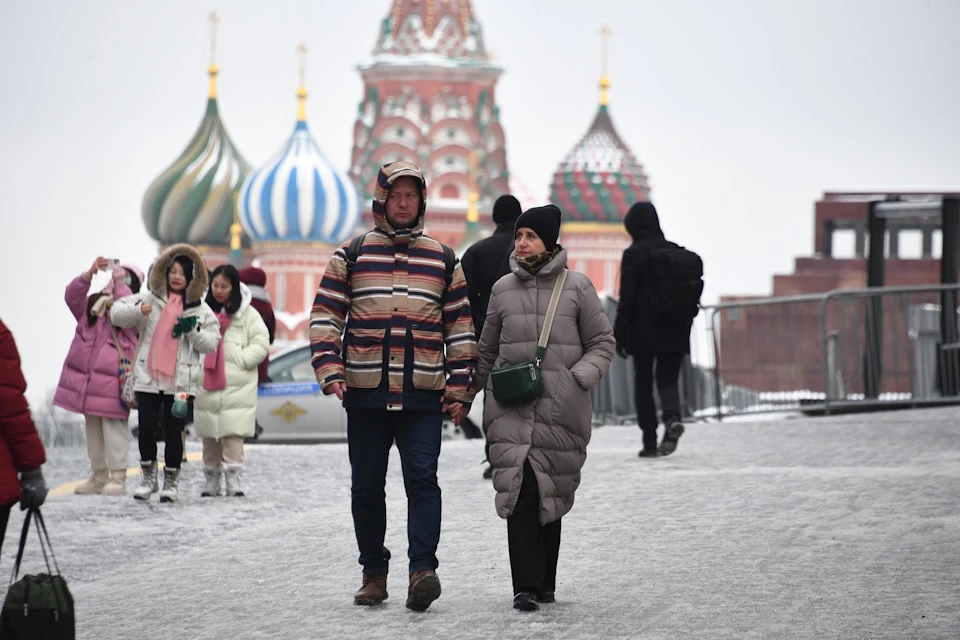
<point>176,328</point>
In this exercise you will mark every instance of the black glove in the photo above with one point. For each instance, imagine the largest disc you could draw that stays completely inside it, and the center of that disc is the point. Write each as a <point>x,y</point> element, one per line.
<point>34,489</point>
<point>185,324</point>
<point>622,352</point>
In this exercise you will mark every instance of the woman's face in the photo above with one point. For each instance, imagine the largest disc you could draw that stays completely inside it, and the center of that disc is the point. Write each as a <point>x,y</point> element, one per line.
<point>176,278</point>
<point>222,288</point>
<point>528,244</point>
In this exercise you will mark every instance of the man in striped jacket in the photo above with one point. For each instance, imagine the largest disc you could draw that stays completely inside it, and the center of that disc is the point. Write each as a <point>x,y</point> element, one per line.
<point>400,315</point>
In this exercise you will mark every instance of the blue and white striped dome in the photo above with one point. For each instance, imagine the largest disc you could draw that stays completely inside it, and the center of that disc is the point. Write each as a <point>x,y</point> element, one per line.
<point>299,197</point>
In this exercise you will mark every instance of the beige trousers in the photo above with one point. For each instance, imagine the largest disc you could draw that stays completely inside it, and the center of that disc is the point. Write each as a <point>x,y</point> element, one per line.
<point>227,450</point>
<point>108,442</point>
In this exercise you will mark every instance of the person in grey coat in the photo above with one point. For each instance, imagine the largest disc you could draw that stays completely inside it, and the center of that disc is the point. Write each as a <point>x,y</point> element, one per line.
<point>538,448</point>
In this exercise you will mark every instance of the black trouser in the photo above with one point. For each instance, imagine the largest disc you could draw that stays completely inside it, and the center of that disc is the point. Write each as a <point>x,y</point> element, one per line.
<point>668,386</point>
<point>4,517</point>
<point>154,409</point>
<point>534,549</point>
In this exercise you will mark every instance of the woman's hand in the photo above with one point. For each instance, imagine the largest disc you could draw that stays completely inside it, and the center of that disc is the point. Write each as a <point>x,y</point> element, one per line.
<point>146,308</point>
<point>100,264</point>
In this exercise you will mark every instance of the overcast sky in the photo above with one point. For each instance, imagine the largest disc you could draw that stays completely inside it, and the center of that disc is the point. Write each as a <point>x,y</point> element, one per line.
<point>742,111</point>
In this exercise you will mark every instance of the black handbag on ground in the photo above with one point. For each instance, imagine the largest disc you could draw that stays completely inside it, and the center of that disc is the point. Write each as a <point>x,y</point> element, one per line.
<point>37,606</point>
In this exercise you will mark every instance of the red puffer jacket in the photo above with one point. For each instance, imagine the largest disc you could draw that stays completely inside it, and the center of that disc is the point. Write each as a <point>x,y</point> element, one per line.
<point>20,446</point>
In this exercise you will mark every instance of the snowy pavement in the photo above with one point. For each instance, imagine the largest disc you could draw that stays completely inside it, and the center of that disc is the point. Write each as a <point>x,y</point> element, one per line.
<point>805,528</point>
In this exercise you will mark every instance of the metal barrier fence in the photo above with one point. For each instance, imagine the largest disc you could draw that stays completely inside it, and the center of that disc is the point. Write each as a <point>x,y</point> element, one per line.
<point>855,348</point>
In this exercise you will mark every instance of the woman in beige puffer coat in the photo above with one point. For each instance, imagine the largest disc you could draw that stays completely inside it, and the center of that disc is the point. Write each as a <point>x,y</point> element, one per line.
<point>538,448</point>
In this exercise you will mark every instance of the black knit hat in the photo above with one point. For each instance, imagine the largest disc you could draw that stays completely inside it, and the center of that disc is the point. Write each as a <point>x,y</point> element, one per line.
<point>545,221</point>
<point>506,210</point>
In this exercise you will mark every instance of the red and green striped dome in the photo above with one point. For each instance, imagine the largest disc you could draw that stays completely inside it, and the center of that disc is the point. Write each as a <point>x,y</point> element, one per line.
<point>600,178</point>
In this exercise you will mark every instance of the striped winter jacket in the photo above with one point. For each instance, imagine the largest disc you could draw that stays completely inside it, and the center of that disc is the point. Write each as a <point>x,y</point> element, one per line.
<point>394,308</point>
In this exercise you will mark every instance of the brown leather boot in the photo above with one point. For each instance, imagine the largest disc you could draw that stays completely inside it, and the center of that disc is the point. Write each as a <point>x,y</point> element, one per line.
<point>373,591</point>
<point>424,589</point>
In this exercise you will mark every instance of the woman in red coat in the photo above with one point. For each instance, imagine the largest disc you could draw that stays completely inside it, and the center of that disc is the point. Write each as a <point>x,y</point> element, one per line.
<point>21,451</point>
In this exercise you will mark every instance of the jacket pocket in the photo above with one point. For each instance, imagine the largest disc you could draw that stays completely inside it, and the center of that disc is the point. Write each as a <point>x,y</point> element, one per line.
<point>428,364</point>
<point>364,357</point>
<point>572,406</point>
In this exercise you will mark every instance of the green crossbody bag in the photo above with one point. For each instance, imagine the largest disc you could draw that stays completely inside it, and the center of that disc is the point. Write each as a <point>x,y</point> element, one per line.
<point>523,382</point>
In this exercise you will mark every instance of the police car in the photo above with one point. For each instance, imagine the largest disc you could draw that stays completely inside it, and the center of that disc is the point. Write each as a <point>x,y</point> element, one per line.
<point>291,407</point>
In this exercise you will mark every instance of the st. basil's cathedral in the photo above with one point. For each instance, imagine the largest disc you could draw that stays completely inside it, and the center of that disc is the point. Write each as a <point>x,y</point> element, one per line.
<point>429,96</point>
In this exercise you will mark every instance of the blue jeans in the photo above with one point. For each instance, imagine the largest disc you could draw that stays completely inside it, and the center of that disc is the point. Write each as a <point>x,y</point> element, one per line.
<point>370,434</point>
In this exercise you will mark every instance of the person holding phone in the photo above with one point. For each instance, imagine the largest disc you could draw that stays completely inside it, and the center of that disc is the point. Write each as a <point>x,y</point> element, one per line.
<point>90,382</point>
<point>176,329</point>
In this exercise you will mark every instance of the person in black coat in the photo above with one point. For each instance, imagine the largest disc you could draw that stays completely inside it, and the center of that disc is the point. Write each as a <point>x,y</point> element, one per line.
<point>653,342</point>
<point>486,262</point>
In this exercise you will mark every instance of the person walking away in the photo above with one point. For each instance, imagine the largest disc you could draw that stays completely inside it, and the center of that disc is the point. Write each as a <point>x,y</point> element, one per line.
<point>90,380</point>
<point>21,451</point>
<point>176,329</point>
<point>483,264</point>
<point>660,288</point>
<point>256,281</point>
<point>225,411</point>
<point>394,379</point>
<point>538,447</point>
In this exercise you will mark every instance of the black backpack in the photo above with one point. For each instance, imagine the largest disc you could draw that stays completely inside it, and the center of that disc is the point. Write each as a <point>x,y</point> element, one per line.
<point>353,253</point>
<point>676,281</point>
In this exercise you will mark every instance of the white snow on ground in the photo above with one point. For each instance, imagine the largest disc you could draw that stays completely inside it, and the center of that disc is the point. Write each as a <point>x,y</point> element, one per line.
<point>841,527</point>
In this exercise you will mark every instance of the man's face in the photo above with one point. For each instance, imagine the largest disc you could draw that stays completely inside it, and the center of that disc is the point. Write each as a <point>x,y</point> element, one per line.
<point>403,203</point>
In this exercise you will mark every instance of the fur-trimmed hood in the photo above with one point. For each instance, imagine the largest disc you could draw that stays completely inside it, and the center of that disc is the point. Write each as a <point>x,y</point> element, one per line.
<point>196,290</point>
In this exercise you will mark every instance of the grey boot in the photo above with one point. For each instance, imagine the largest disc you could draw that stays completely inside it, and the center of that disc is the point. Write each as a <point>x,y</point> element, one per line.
<point>171,484</point>
<point>148,480</point>
<point>232,473</point>
<point>214,477</point>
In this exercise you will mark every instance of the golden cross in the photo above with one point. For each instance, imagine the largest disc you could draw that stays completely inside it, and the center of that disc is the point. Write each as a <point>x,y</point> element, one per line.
<point>605,33</point>
<point>214,20</point>
<point>302,50</point>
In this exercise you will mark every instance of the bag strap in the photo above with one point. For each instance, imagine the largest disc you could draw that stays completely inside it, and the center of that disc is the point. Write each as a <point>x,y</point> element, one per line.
<point>551,314</point>
<point>44,544</point>
<point>45,538</point>
<point>116,343</point>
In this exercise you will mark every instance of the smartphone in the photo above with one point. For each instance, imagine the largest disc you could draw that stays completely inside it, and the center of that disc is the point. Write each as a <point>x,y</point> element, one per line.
<point>114,263</point>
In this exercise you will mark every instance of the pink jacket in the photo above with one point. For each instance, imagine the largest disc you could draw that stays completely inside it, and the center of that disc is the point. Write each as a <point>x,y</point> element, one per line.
<point>90,380</point>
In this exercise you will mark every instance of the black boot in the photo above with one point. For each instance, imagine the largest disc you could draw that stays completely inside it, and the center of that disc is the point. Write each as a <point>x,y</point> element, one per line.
<point>525,601</point>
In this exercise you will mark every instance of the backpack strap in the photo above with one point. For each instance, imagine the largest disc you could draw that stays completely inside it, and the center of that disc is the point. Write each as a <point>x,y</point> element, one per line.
<point>356,246</point>
<point>353,254</point>
<point>450,263</point>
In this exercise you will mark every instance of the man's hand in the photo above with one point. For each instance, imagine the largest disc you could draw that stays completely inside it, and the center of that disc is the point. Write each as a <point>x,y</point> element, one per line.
<point>338,388</point>
<point>456,410</point>
<point>622,352</point>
